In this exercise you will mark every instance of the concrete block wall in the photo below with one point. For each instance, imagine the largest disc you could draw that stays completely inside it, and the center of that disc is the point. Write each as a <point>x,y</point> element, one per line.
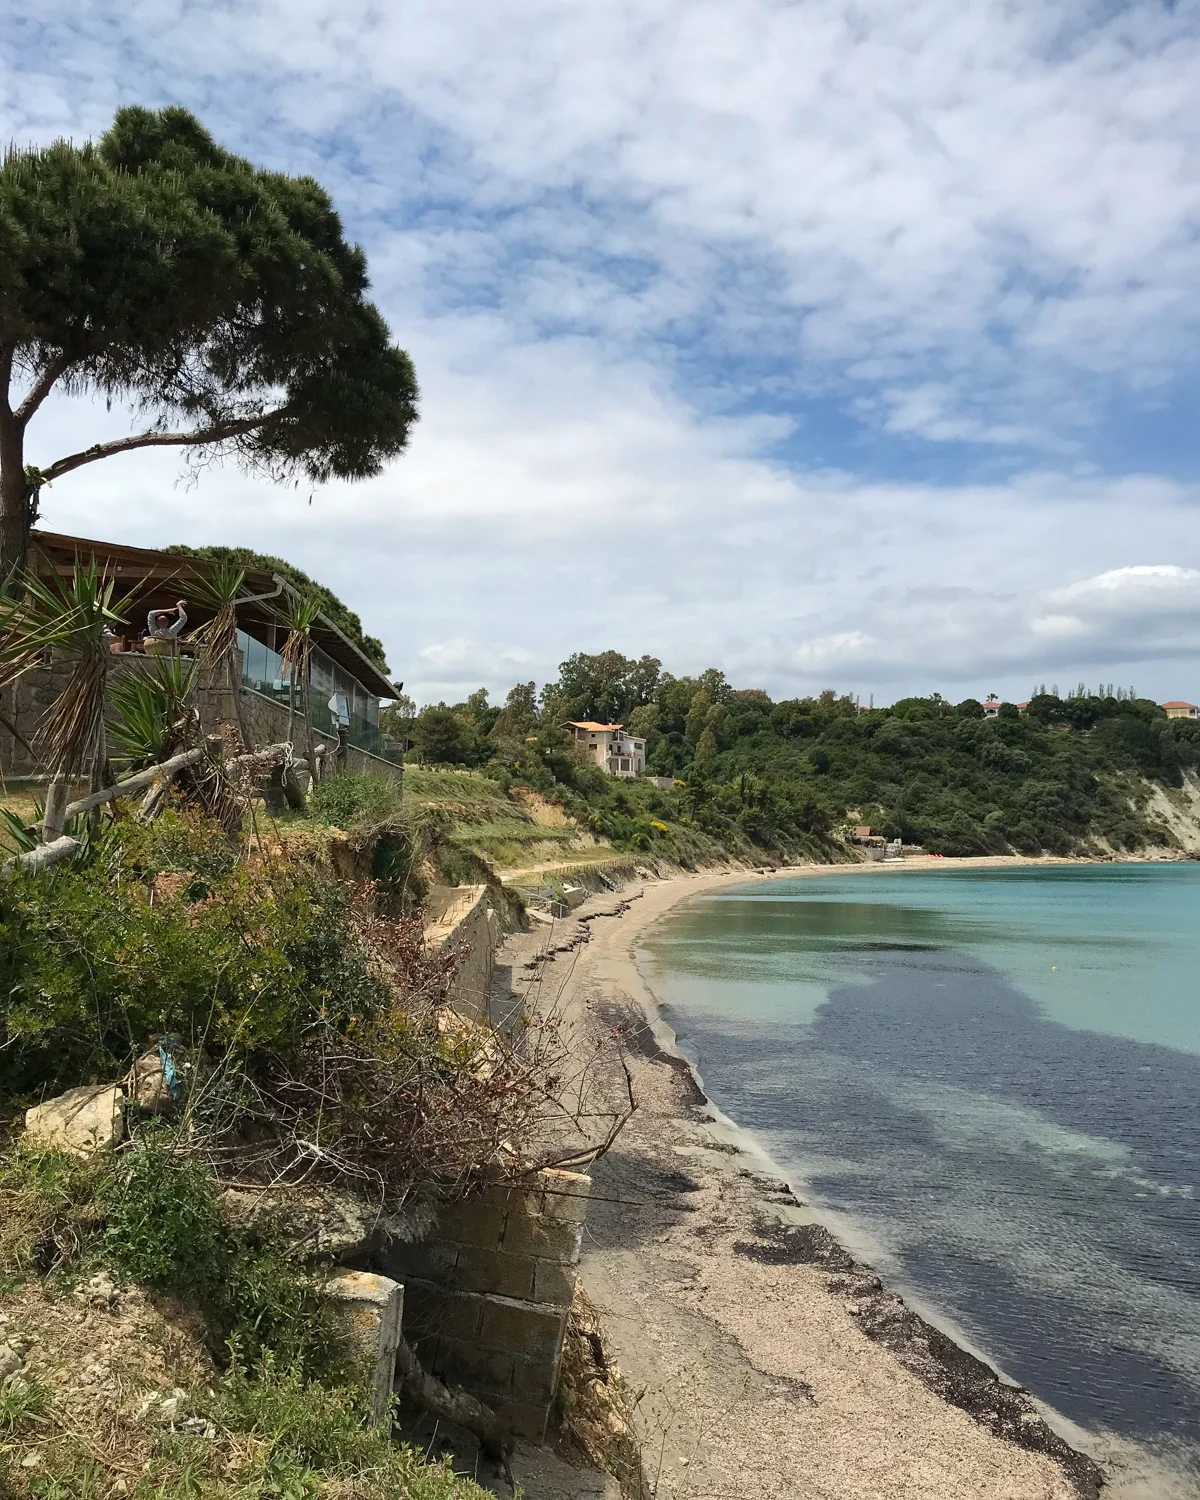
<point>487,1294</point>
<point>465,924</point>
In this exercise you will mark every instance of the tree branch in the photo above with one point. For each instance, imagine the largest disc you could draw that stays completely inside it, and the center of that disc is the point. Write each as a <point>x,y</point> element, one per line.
<point>218,433</point>
<point>40,858</point>
<point>41,388</point>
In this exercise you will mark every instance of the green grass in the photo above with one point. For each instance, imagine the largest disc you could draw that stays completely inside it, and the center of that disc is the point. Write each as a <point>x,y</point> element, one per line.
<point>272,1434</point>
<point>287,1419</point>
<point>479,816</point>
<point>467,794</point>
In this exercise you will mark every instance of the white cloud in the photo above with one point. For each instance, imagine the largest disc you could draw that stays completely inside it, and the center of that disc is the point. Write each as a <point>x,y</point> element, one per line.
<point>625,244</point>
<point>833,653</point>
<point>1155,587</point>
<point>1057,627</point>
<point>979,207</point>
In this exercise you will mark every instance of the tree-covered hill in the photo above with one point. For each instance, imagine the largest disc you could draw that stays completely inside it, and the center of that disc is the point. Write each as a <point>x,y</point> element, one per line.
<point>1064,776</point>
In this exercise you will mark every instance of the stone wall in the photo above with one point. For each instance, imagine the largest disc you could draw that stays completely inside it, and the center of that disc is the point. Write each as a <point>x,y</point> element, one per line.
<point>486,1295</point>
<point>24,702</point>
<point>462,921</point>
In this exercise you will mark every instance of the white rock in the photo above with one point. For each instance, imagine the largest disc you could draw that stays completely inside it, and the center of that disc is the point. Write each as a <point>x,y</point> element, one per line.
<point>81,1121</point>
<point>99,1290</point>
<point>10,1363</point>
<point>197,1427</point>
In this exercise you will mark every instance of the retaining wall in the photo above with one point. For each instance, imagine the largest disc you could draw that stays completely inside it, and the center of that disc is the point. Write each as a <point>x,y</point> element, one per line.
<point>486,1296</point>
<point>465,923</point>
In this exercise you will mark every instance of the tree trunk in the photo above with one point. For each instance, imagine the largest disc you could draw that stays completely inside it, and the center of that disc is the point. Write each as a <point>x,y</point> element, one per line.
<point>40,858</point>
<point>235,687</point>
<point>56,809</point>
<point>16,508</point>
<point>309,742</point>
<point>451,1404</point>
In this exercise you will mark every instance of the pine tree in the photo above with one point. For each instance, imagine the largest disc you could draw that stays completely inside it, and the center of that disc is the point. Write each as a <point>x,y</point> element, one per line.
<point>220,301</point>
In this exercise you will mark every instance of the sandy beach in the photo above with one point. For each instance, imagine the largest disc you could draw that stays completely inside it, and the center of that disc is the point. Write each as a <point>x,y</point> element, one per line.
<point>765,1360</point>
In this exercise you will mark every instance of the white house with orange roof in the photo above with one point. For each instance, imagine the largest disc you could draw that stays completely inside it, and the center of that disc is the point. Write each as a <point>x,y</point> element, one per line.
<point>1178,709</point>
<point>610,747</point>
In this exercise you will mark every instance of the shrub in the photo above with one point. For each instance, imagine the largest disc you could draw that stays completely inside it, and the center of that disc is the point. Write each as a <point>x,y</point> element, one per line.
<point>46,1209</point>
<point>164,1230</point>
<point>172,936</point>
<point>356,800</point>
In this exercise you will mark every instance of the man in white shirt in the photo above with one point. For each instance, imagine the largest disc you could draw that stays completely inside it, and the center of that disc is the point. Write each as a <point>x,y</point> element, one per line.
<point>159,626</point>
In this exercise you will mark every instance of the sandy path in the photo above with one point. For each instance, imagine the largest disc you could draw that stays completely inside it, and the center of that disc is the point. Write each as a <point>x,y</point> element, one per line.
<point>759,1380</point>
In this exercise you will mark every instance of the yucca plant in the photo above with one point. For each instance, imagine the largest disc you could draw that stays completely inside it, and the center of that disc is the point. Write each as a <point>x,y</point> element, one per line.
<point>22,837</point>
<point>152,715</point>
<point>70,616</point>
<point>220,588</point>
<point>300,614</point>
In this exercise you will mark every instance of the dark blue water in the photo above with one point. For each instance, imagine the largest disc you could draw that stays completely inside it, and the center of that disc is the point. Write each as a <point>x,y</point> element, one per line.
<point>995,1077</point>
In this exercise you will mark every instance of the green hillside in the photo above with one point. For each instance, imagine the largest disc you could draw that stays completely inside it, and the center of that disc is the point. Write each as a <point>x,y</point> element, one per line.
<point>1063,777</point>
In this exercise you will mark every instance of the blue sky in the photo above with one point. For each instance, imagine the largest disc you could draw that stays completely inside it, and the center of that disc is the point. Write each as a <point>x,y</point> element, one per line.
<point>834,346</point>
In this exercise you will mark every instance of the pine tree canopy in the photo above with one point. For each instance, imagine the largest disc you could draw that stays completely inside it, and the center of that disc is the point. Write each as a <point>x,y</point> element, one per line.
<point>222,301</point>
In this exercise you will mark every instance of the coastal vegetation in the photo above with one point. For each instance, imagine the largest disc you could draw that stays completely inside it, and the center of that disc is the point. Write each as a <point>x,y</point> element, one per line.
<point>747,773</point>
<point>266,1021</point>
<point>334,610</point>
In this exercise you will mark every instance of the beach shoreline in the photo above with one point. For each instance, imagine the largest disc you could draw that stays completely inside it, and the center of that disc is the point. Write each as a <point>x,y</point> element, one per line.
<point>695,1231</point>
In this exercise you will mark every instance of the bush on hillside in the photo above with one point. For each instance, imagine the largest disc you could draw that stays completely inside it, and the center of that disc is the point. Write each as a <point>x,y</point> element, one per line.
<point>169,933</point>
<point>356,800</point>
<point>314,1025</point>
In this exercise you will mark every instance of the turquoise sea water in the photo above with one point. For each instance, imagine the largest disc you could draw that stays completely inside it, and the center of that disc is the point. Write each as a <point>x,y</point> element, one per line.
<point>994,1076</point>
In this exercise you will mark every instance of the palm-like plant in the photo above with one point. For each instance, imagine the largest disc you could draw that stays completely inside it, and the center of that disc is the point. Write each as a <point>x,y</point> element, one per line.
<point>220,588</point>
<point>300,614</point>
<point>153,716</point>
<point>72,617</point>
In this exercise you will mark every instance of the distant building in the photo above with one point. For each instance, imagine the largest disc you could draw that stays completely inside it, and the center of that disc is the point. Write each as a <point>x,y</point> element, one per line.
<point>611,748</point>
<point>1177,709</point>
<point>991,707</point>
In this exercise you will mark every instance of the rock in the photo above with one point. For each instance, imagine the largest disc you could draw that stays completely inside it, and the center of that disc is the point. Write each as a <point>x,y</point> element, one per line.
<point>10,1363</point>
<point>99,1291</point>
<point>325,1225</point>
<point>155,1082</point>
<point>197,1427</point>
<point>81,1122</point>
<point>853,1309</point>
<point>159,1405</point>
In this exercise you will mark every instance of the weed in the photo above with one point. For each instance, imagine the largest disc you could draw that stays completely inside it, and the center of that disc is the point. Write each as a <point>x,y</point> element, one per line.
<point>165,1230</point>
<point>353,801</point>
<point>46,1209</point>
<point>22,1406</point>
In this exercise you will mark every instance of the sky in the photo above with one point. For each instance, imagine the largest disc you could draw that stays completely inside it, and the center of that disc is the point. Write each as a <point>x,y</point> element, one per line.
<point>832,345</point>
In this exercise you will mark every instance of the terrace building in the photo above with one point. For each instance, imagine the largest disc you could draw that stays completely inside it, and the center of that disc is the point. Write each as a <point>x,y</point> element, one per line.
<point>338,668</point>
